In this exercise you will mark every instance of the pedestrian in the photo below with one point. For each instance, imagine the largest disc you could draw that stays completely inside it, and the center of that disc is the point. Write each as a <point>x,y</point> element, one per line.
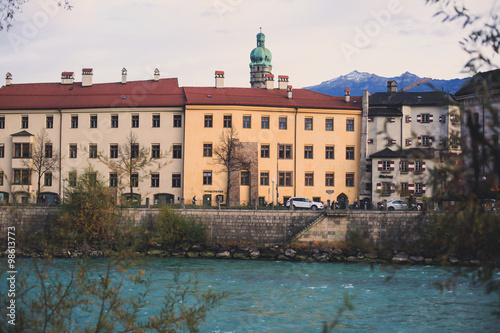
<point>194,200</point>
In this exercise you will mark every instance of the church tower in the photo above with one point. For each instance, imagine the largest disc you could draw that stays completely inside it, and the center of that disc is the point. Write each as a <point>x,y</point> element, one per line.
<point>261,63</point>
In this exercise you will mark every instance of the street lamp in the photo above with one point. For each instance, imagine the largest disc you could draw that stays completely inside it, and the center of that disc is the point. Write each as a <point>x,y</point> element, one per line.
<point>277,174</point>
<point>272,180</point>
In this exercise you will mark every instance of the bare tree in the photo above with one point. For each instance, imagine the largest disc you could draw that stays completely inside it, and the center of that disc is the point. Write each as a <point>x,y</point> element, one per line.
<point>228,155</point>
<point>132,163</point>
<point>10,8</point>
<point>44,158</point>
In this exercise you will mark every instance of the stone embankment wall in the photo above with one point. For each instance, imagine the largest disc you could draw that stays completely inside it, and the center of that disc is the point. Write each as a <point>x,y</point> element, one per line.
<point>264,227</point>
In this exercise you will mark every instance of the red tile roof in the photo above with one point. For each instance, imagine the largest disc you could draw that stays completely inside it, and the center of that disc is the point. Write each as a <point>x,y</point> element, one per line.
<point>67,73</point>
<point>165,92</point>
<point>302,98</point>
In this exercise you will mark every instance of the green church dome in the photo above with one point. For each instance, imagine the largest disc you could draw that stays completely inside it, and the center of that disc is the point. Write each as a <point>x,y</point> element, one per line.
<point>260,55</point>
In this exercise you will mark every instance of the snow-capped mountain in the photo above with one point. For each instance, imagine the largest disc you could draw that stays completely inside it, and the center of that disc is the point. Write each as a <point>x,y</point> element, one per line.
<point>359,81</point>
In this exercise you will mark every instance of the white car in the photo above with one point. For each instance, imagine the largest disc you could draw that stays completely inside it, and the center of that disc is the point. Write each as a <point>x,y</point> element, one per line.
<point>397,205</point>
<point>304,203</point>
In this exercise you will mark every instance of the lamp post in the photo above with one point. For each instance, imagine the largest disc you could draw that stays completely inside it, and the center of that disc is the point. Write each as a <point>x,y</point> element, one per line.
<point>277,173</point>
<point>64,181</point>
<point>272,180</point>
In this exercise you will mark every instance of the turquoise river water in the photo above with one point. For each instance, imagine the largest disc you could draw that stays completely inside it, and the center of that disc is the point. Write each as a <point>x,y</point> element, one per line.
<point>275,296</point>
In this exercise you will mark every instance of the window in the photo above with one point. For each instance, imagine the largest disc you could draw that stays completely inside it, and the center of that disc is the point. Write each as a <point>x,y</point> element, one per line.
<point>22,150</point>
<point>404,188</point>
<point>114,121</point>
<point>349,125</point>
<point>408,142</point>
<point>72,178</point>
<point>92,150</point>
<point>386,165</point>
<point>426,141</point>
<point>49,122</point>
<point>1,178</point>
<point>309,179</point>
<point>264,121</point>
<point>2,122</point>
<point>418,166</point>
<point>156,120</point>
<point>330,152</point>
<point>208,120</point>
<point>74,121</point>
<point>24,122</point>
<point>386,188</point>
<point>155,180</point>
<point>308,124</point>
<point>177,120</point>
<point>135,120</point>
<point>22,177</point>
<point>113,151</point>
<point>349,153</point>
<point>285,151</point>
<point>308,152</point>
<point>329,179</point>
<point>245,178</point>
<point>207,150</point>
<point>134,150</point>
<point>73,150</point>
<point>283,123</point>
<point>47,181</point>
<point>176,151</point>
<point>247,121</point>
<point>207,177</point>
<point>329,124</point>
<point>264,178</point>
<point>113,179</point>
<point>176,180</point>
<point>155,151</point>
<point>285,178</point>
<point>404,166</point>
<point>2,150</point>
<point>264,151</point>
<point>93,121</point>
<point>228,121</point>
<point>349,180</point>
<point>134,179</point>
<point>426,118</point>
<point>418,188</point>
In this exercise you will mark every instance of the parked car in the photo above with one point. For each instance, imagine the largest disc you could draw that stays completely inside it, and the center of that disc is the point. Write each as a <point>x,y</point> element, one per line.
<point>304,203</point>
<point>396,205</point>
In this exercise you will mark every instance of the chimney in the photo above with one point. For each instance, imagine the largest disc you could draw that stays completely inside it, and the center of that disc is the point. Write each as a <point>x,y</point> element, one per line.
<point>87,74</point>
<point>269,81</point>
<point>289,92</point>
<point>392,86</point>
<point>8,79</point>
<point>219,79</point>
<point>282,82</point>
<point>124,75</point>
<point>347,95</point>
<point>67,77</point>
<point>156,76</point>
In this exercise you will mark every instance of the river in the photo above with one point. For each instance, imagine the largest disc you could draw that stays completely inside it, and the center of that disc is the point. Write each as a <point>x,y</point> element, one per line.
<point>267,296</point>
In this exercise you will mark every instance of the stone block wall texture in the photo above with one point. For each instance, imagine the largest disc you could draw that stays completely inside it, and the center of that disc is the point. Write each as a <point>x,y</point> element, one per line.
<point>262,227</point>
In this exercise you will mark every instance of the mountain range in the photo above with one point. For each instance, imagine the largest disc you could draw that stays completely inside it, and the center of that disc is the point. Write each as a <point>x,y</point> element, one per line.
<point>359,81</point>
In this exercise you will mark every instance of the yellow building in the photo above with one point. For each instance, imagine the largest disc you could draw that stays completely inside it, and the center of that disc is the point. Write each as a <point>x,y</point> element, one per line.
<point>303,142</point>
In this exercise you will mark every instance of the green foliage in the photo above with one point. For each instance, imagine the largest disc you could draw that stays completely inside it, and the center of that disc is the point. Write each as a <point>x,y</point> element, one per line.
<point>171,230</point>
<point>89,207</point>
<point>81,299</point>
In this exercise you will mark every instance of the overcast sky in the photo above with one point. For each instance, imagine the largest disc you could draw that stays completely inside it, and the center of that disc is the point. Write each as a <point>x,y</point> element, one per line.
<point>311,41</point>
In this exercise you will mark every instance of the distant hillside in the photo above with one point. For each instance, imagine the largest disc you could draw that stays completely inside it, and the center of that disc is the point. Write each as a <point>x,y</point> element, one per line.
<point>359,81</point>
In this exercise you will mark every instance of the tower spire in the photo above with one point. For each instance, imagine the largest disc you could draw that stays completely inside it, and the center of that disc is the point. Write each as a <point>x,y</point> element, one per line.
<point>260,64</point>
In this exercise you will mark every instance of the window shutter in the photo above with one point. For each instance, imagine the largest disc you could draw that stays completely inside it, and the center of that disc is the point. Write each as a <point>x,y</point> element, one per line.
<point>431,118</point>
<point>411,166</point>
<point>392,165</point>
<point>441,119</point>
<point>423,188</point>
<point>379,165</point>
<point>393,119</point>
<point>393,141</point>
<point>379,186</point>
<point>393,187</point>
<point>419,143</point>
<point>419,118</point>
<point>408,142</point>
<point>408,119</point>
<point>370,119</point>
<point>411,188</point>
<point>423,166</point>
<point>370,140</point>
